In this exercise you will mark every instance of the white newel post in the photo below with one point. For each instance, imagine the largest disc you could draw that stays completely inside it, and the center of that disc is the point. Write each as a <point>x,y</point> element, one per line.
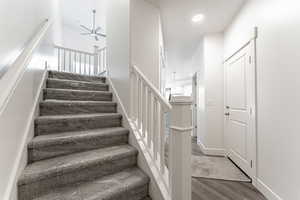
<point>96,61</point>
<point>180,148</point>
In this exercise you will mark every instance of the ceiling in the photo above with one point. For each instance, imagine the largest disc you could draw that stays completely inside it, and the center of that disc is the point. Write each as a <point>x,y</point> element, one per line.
<point>183,38</point>
<point>76,12</point>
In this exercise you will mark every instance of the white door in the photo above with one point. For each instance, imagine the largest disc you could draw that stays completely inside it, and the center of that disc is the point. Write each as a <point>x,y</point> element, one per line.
<point>239,105</point>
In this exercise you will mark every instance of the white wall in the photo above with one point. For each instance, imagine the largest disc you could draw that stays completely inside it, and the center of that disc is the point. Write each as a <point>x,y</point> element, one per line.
<point>210,131</point>
<point>145,39</point>
<point>21,20</point>
<point>186,62</point>
<point>118,49</point>
<point>278,83</point>
<point>191,62</point>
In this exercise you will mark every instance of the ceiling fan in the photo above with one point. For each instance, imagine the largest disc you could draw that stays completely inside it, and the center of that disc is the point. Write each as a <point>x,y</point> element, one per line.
<point>94,32</point>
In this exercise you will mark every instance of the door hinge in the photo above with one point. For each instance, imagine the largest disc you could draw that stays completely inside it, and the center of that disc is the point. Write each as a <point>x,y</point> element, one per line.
<point>251,164</point>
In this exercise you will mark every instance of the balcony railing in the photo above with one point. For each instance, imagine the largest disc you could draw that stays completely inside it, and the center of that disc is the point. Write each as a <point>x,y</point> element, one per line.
<point>81,62</point>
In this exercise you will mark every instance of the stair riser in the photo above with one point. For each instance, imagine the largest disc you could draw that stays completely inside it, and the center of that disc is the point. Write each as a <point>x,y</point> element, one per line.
<point>73,146</point>
<point>43,127</point>
<point>76,85</point>
<point>76,77</point>
<point>64,108</point>
<point>35,189</point>
<point>79,96</point>
<point>136,193</point>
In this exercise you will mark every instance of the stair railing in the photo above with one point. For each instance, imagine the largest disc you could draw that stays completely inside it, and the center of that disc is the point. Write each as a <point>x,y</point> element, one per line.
<point>148,109</point>
<point>81,62</point>
<point>101,60</point>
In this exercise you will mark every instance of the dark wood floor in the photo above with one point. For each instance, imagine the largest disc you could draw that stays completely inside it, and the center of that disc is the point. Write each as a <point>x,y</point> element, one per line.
<point>210,189</point>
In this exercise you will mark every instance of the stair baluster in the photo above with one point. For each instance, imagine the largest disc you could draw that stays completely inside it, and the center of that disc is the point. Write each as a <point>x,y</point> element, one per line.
<point>148,117</point>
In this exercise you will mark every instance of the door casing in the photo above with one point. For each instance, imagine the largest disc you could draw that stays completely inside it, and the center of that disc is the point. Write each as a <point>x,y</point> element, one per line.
<point>252,98</point>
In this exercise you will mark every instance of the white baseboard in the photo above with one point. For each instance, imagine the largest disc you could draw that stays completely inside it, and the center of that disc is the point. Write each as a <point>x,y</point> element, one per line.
<point>211,151</point>
<point>266,190</point>
<point>156,188</point>
<point>21,160</point>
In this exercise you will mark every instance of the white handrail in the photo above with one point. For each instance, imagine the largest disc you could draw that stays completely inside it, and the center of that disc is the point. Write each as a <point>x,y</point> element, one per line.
<point>166,104</point>
<point>75,50</point>
<point>10,79</point>
<point>81,62</point>
<point>148,116</point>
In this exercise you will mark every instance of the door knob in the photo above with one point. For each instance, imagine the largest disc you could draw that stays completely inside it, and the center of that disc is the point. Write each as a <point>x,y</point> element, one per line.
<point>227,114</point>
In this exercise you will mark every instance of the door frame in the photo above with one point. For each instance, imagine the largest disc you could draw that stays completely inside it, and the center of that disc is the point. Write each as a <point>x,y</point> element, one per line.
<point>195,104</point>
<point>251,44</point>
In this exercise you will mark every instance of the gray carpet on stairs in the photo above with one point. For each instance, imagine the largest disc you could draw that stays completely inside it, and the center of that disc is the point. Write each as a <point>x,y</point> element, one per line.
<point>80,149</point>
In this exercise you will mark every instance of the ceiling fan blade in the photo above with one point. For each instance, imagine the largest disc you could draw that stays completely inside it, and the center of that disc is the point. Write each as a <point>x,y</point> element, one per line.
<point>101,34</point>
<point>86,28</point>
<point>85,33</point>
<point>98,29</point>
<point>96,38</point>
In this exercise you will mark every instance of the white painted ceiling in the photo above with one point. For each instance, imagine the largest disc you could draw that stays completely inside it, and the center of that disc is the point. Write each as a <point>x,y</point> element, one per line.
<point>76,12</point>
<point>79,12</point>
<point>183,38</point>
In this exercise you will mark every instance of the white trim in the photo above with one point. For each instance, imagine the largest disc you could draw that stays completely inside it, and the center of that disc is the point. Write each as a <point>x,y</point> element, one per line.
<point>163,101</point>
<point>211,151</point>
<point>266,190</point>
<point>23,147</point>
<point>13,76</point>
<point>184,129</point>
<point>252,102</point>
<point>157,188</point>
<point>253,36</point>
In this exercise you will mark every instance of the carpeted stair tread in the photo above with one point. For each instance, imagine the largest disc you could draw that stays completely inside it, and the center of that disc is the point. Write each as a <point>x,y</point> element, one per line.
<point>55,117</point>
<point>130,184</point>
<point>78,77</point>
<point>64,123</point>
<point>80,149</point>
<point>73,162</point>
<point>76,85</point>
<point>48,146</point>
<point>45,140</point>
<point>78,102</point>
<point>62,107</point>
<point>80,95</point>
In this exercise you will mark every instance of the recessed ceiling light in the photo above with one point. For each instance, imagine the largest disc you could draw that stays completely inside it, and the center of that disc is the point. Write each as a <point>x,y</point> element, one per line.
<point>198,18</point>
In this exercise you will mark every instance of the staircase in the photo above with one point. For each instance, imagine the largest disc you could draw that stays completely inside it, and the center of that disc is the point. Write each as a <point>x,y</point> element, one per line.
<point>80,150</point>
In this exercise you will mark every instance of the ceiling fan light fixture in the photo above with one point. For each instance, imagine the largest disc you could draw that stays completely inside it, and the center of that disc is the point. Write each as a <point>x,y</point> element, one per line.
<point>94,31</point>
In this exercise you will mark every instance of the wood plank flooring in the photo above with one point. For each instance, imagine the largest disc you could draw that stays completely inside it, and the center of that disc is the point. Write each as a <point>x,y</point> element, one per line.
<point>210,189</point>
